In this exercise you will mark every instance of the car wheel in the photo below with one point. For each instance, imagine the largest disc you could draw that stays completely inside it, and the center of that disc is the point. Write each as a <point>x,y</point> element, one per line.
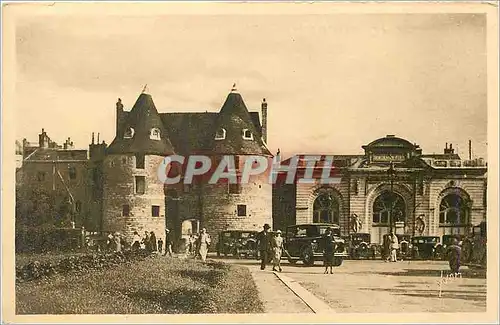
<point>337,261</point>
<point>307,257</point>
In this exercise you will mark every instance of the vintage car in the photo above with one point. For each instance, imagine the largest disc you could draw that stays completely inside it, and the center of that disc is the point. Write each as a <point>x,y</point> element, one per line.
<point>304,242</point>
<point>424,247</point>
<point>360,246</point>
<point>236,243</point>
<point>405,250</point>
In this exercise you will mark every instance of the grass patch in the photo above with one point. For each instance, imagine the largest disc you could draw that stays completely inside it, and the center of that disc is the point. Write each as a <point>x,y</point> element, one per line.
<point>157,285</point>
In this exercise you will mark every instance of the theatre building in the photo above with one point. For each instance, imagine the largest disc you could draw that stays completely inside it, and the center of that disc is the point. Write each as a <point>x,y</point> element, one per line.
<point>393,185</point>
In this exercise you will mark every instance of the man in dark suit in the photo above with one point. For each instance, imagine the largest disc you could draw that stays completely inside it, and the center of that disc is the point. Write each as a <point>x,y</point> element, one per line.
<point>264,244</point>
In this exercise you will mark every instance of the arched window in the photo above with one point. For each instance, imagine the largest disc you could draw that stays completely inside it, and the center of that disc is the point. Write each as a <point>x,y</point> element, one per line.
<point>220,134</point>
<point>386,203</point>
<point>453,211</point>
<point>247,134</point>
<point>129,133</point>
<point>326,209</point>
<point>155,134</point>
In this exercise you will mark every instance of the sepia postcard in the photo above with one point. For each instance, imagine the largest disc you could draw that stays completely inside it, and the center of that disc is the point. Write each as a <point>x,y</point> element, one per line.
<point>250,162</point>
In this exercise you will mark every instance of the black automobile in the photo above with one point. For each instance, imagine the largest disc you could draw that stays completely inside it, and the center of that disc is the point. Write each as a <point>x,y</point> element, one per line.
<point>360,246</point>
<point>304,242</point>
<point>424,247</point>
<point>405,250</point>
<point>236,243</point>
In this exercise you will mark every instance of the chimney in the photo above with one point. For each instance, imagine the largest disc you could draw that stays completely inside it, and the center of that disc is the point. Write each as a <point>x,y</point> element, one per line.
<point>470,149</point>
<point>448,151</point>
<point>119,114</point>
<point>93,138</point>
<point>98,137</point>
<point>42,140</point>
<point>264,120</point>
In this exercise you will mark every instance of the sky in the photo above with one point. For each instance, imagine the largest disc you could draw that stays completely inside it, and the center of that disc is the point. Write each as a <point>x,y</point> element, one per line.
<point>333,82</point>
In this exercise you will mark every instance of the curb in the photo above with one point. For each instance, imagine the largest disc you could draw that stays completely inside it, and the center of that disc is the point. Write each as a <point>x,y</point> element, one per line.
<point>315,304</point>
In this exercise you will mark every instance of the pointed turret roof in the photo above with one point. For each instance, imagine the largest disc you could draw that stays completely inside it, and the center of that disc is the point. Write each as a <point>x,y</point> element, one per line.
<point>139,123</point>
<point>234,118</point>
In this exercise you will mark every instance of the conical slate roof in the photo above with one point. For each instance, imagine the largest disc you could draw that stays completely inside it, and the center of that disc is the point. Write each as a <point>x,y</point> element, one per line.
<point>235,118</point>
<point>142,119</point>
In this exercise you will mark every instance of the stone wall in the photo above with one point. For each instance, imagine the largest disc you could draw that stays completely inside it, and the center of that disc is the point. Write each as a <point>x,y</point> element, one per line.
<point>119,189</point>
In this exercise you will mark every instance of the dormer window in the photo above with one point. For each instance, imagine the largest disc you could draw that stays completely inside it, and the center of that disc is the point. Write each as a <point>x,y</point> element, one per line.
<point>247,134</point>
<point>155,134</point>
<point>129,133</point>
<point>220,134</point>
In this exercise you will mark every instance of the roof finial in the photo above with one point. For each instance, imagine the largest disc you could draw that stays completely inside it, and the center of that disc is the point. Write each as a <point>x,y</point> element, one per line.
<point>234,88</point>
<point>145,89</point>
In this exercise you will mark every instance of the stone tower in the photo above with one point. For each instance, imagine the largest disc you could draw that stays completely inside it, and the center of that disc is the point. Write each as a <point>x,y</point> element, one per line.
<point>133,196</point>
<point>242,206</point>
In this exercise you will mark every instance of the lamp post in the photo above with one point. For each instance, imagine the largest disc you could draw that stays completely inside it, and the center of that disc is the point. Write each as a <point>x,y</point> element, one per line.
<point>391,173</point>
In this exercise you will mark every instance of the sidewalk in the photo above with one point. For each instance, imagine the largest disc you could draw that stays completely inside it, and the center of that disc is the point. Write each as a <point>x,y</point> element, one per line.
<point>275,296</point>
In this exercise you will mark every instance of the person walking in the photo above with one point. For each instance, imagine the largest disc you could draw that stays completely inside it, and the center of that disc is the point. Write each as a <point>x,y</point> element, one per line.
<point>160,245</point>
<point>168,243</point>
<point>263,242</point>
<point>147,242</point>
<point>203,244</point>
<point>277,247</point>
<point>328,250</point>
<point>118,244</point>
<point>394,247</point>
<point>153,243</point>
<point>136,241</point>
<point>454,252</point>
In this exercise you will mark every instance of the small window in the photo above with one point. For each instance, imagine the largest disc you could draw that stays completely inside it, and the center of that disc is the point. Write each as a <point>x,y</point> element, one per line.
<point>140,184</point>
<point>220,134</point>
<point>140,161</point>
<point>129,133</point>
<point>242,210</point>
<point>41,176</point>
<point>155,134</point>
<point>72,173</point>
<point>126,210</point>
<point>155,210</point>
<point>247,134</point>
<point>78,206</point>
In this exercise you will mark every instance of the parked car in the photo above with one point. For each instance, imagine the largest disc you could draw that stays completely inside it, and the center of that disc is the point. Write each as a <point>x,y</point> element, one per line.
<point>424,247</point>
<point>405,250</point>
<point>360,246</point>
<point>236,243</point>
<point>304,242</point>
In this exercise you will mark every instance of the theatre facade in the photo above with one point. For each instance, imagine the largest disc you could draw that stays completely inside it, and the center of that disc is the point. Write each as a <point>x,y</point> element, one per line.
<point>392,186</point>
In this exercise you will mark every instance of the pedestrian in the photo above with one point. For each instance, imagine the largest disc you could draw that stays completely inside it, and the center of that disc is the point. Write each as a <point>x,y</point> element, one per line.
<point>328,250</point>
<point>394,247</point>
<point>136,241</point>
<point>110,242</point>
<point>117,242</point>
<point>152,242</point>
<point>263,242</point>
<point>168,243</point>
<point>203,244</point>
<point>277,247</point>
<point>192,242</point>
<point>147,242</point>
<point>453,253</point>
<point>160,245</point>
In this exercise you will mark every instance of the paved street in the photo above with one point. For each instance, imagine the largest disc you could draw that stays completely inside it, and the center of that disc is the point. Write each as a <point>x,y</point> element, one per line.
<point>375,286</point>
